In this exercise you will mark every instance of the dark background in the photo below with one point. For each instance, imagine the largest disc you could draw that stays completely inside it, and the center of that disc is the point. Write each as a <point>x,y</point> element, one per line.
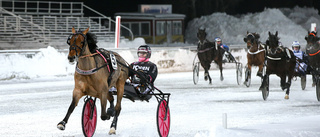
<point>195,8</point>
<point>198,8</point>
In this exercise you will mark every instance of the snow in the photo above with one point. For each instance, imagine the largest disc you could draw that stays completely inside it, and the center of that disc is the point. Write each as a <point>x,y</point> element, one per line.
<point>36,89</point>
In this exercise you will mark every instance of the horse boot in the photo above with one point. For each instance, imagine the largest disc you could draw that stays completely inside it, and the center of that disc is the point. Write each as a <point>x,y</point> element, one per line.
<point>259,74</point>
<point>206,76</point>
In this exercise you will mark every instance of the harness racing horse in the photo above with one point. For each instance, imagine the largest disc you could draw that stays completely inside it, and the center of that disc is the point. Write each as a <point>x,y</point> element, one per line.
<point>280,61</point>
<point>312,50</point>
<point>94,75</point>
<point>207,52</point>
<point>256,53</point>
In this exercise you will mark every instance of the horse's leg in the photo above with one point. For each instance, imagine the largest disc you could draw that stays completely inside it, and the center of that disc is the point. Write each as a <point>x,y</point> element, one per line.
<point>204,66</point>
<point>283,81</point>
<point>288,84</point>
<point>77,94</point>
<point>120,92</point>
<point>104,99</point>
<point>249,68</point>
<point>313,80</point>
<point>259,73</point>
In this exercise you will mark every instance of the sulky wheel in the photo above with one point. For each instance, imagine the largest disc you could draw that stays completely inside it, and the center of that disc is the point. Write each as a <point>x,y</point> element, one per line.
<point>318,90</point>
<point>163,118</point>
<point>196,73</point>
<point>89,118</point>
<point>239,73</point>
<point>265,90</point>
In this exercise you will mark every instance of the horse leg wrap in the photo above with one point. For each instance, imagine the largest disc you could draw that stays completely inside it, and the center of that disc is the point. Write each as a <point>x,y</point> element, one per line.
<point>259,74</point>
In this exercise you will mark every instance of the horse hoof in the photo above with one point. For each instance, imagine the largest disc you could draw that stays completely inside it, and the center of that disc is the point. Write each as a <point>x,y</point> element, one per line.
<point>112,131</point>
<point>221,78</point>
<point>205,78</point>
<point>286,96</point>
<point>61,125</point>
<point>105,118</point>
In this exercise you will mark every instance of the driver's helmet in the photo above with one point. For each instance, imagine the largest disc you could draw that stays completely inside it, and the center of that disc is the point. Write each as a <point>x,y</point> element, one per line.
<point>217,39</point>
<point>146,49</point>
<point>295,44</point>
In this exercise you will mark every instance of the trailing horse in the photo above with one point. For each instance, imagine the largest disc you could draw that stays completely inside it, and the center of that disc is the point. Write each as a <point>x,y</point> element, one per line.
<point>312,50</point>
<point>280,61</point>
<point>95,72</point>
<point>208,52</point>
<point>256,53</point>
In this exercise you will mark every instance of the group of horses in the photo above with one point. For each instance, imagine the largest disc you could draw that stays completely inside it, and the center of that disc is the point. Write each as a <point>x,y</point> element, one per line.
<point>94,73</point>
<point>271,56</point>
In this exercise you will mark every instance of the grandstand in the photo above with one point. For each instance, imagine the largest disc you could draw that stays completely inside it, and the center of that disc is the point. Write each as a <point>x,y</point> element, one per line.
<point>37,24</point>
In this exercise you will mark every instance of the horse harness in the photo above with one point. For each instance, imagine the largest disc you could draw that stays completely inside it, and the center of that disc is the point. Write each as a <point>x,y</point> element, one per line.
<point>206,49</point>
<point>258,51</point>
<point>287,53</point>
<point>108,59</point>
<point>111,57</point>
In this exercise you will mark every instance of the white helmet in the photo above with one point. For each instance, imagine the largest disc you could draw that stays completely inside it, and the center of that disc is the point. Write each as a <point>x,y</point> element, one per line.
<point>217,39</point>
<point>295,44</point>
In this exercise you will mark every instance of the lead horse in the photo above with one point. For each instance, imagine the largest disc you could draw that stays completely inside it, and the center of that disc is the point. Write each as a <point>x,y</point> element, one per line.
<point>312,50</point>
<point>280,61</point>
<point>94,76</point>
<point>256,53</point>
<point>208,52</point>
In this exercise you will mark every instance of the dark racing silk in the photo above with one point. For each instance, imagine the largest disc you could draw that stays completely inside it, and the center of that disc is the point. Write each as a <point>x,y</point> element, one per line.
<point>148,68</point>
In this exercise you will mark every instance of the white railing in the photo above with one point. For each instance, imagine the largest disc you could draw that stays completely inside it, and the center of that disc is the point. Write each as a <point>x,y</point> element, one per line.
<point>17,26</point>
<point>53,11</point>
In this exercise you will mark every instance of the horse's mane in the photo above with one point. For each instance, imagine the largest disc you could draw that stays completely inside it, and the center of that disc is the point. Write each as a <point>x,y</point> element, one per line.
<point>92,42</point>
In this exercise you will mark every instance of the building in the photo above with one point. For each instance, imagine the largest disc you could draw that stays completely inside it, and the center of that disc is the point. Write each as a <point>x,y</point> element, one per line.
<point>155,23</point>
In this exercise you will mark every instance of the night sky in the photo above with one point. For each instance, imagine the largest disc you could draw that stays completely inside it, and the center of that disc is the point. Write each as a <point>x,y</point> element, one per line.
<point>196,8</point>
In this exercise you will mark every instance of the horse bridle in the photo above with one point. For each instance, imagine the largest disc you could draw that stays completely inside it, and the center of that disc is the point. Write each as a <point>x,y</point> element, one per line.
<point>312,54</point>
<point>74,46</point>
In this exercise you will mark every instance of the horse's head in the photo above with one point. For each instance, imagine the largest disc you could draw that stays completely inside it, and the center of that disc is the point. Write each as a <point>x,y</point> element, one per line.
<point>273,43</point>
<point>312,42</point>
<point>77,42</point>
<point>251,39</point>
<point>201,35</point>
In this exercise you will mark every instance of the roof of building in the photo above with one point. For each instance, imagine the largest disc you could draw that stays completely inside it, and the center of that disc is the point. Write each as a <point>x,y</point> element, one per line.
<point>136,15</point>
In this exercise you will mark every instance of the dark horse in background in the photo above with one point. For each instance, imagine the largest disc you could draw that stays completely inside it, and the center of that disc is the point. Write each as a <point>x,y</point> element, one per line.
<point>280,61</point>
<point>312,50</point>
<point>92,76</point>
<point>256,53</point>
<point>208,52</point>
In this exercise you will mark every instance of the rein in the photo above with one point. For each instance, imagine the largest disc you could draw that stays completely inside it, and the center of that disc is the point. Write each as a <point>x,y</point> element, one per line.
<point>94,70</point>
<point>206,49</point>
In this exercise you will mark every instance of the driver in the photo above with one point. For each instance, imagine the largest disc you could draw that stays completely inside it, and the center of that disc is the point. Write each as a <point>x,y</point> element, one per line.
<point>144,68</point>
<point>225,54</point>
<point>301,67</point>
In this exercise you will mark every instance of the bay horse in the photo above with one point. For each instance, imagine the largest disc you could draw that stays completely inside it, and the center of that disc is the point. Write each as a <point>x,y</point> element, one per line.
<point>312,50</point>
<point>280,61</point>
<point>208,52</point>
<point>93,76</point>
<point>256,53</point>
